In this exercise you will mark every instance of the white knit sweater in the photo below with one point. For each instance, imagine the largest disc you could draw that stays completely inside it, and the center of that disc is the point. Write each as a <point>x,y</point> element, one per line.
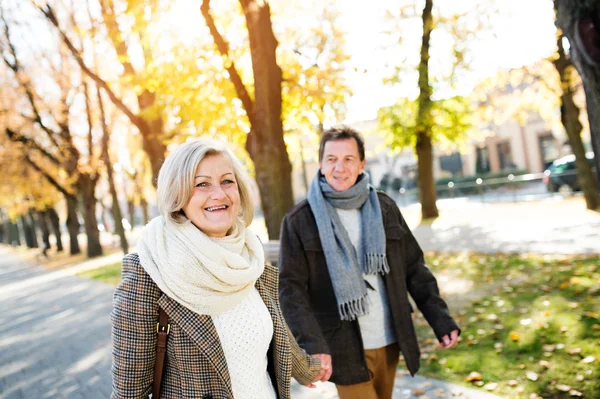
<point>245,332</point>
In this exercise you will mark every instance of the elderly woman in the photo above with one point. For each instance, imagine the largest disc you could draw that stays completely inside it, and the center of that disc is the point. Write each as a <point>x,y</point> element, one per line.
<point>200,263</point>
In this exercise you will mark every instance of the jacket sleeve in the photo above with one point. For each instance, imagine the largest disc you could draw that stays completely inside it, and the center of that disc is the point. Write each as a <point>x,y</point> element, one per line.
<point>293,291</point>
<point>423,286</point>
<point>134,318</point>
<point>304,367</point>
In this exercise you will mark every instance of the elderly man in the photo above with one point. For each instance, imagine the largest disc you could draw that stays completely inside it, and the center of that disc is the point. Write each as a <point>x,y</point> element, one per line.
<point>347,264</point>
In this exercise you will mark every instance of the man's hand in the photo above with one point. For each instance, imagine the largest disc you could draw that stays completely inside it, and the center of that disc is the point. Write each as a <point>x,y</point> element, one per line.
<point>326,369</point>
<point>450,340</point>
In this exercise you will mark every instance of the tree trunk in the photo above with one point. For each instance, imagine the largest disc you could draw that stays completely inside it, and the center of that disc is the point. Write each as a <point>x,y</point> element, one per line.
<point>265,141</point>
<point>29,231</point>
<point>73,225</point>
<point>425,179</point>
<point>579,21</point>
<point>55,225</point>
<point>275,187</point>
<point>14,236</point>
<point>87,188</point>
<point>569,115</point>
<point>116,207</point>
<point>424,145</point>
<point>131,212</point>
<point>3,228</point>
<point>305,179</point>
<point>145,213</point>
<point>45,230</point>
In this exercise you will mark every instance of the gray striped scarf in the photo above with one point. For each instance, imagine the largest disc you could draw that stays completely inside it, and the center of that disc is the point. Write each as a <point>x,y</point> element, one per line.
<point>345,265</point>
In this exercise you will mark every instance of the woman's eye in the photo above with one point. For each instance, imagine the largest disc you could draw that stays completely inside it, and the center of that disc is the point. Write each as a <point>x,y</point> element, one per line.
<point>227,182</point>
<point>202,184</point>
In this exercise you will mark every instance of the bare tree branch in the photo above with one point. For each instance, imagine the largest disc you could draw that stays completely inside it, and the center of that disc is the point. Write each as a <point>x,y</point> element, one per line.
<point>234,76</point>
<point>17,69</point>
<point>135,119</point>
<point>48,177</point>
<point>32,144</point>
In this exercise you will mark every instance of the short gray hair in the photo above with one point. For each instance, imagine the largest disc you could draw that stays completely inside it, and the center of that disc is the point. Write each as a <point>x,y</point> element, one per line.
<point>176,179</point>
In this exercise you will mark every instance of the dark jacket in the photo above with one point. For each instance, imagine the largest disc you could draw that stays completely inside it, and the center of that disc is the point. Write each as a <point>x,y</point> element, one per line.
<point>195,365</point>
<point>309,304</point>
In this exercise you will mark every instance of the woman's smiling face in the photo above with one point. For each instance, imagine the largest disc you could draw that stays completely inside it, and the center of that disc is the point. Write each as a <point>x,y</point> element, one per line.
<point>215,203</point>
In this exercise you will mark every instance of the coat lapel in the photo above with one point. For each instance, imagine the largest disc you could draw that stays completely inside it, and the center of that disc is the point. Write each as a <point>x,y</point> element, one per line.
<point>267,286</point>
<point>201,330</point>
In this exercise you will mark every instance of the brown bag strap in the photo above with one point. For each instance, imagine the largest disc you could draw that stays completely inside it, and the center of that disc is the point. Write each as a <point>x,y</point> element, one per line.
<point>162,329</point>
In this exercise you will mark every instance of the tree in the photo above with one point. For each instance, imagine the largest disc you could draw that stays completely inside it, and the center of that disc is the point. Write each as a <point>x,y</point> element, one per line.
<point>264,141</point>
<point>45,132</point>
<point>115,208</point>
<point>418,122</point>
<point>569,112</point>
<point>314,62</point>
<point>579,21</point>
<point>148,120</point>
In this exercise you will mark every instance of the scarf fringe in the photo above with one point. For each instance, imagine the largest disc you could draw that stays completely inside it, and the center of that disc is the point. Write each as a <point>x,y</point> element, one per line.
<point>376,263</point>
<point>354,309</point>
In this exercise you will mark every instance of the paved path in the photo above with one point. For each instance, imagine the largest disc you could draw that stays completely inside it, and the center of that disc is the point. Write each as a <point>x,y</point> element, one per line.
<point>550,226</point>
<point>54,333</point>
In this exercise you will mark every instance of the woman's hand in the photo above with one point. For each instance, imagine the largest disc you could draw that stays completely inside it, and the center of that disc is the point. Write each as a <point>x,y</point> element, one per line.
<point>326,369</point>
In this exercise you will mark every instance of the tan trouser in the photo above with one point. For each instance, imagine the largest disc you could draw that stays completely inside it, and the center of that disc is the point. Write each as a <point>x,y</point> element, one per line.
<point>382,364</point>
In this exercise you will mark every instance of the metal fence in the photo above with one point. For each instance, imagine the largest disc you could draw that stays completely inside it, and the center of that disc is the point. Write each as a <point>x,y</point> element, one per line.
<point>526,187</point>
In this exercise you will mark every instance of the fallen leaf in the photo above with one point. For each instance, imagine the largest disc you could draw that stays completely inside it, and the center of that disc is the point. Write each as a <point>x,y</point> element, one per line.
<point>513,383</point>
<point>579,377</point>
<point>588,359</point>
<point>573,392</point>
<point>418,392</point>
<point>473,376</point>
<point>563,387</point>
<point>479,383</point>
<point>490,386</point>
<point>545,364</point>
<point>520,390</point>
<point>531,376</point>
<point>574,351</point>
<point>548,348</point>
<point>521,366</point>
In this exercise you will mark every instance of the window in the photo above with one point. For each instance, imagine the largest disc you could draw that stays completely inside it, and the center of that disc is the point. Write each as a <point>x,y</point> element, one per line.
<point>505,156</point>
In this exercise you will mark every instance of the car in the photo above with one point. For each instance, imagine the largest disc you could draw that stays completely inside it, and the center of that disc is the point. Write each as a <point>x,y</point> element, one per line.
<point>561,175</point>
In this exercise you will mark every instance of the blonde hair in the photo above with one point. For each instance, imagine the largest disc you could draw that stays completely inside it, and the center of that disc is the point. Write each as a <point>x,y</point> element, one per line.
<point>176,179</point>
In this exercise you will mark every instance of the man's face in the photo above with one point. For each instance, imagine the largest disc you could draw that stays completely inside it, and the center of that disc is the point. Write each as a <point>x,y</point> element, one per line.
<point>341,164</point>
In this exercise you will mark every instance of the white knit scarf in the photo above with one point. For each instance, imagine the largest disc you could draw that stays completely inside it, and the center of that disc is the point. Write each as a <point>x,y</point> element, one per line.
<point>206,275</point>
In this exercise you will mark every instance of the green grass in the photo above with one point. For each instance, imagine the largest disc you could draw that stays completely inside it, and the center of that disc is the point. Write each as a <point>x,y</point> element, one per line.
<point>540,315</point>
<point>110,274</point>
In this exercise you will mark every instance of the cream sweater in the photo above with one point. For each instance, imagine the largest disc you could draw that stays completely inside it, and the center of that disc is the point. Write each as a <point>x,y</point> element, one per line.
<point>245,332</point>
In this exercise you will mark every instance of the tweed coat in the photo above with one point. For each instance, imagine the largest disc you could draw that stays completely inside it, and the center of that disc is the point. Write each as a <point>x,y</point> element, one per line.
<point>195,364</point>
<point>309,303</point>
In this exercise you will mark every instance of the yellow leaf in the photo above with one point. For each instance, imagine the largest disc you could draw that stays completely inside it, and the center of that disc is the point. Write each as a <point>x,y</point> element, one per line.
<point>514,336</point>
<point>473,376</point>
